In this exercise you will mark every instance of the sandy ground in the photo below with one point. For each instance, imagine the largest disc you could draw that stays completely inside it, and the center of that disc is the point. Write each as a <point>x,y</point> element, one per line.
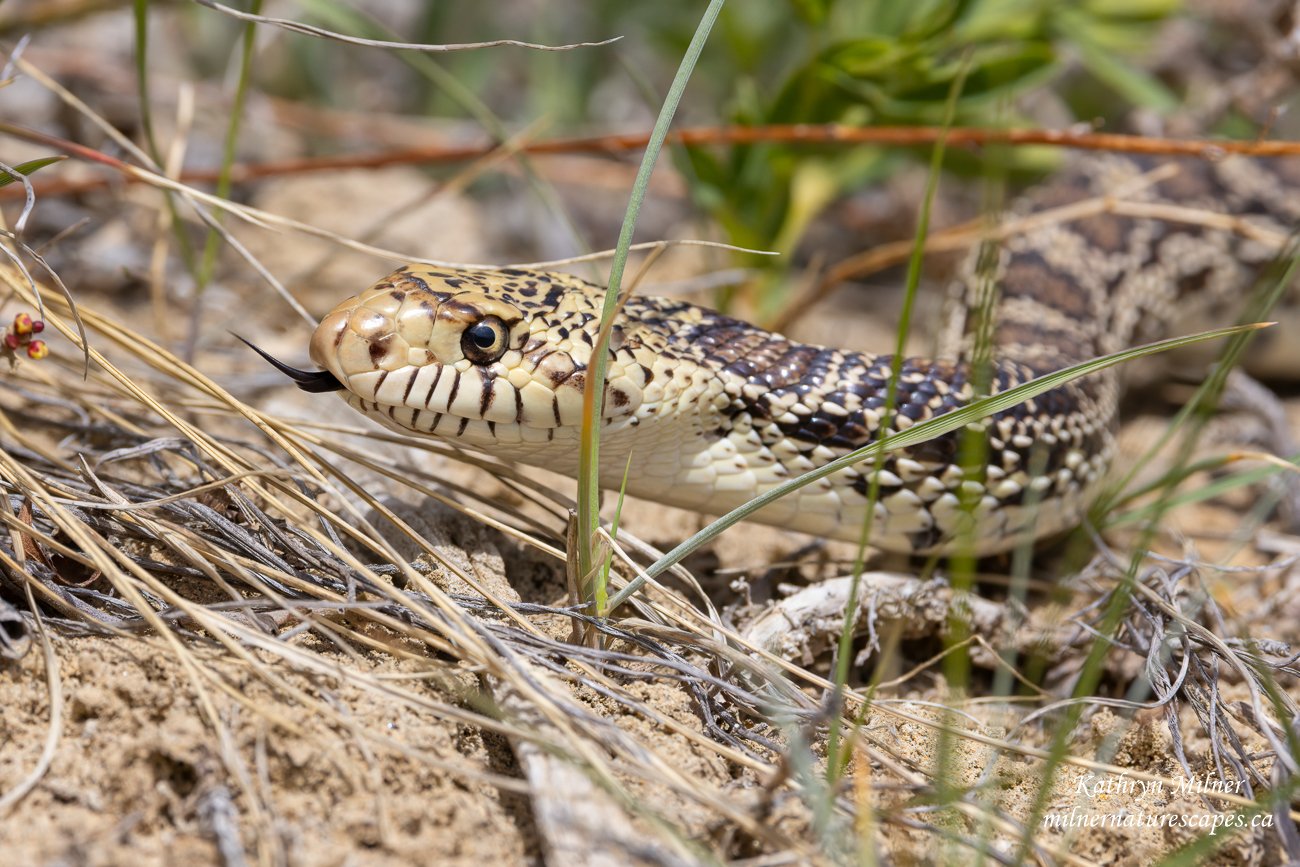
<point>138,773</point>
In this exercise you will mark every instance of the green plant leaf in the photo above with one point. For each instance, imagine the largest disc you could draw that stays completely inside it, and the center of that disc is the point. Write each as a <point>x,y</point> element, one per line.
<point>869,57</point>
<point>1126,79</point>
<point>995,72</point>
<point>812,11</point>
<point>1132,10</point>
<point>1003,20</point>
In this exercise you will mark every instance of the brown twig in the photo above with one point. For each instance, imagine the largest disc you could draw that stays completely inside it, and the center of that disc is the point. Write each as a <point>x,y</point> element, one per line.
<point>824,134</point>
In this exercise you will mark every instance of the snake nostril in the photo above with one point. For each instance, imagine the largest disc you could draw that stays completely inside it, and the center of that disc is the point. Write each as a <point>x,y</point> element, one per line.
<point>379,349</point>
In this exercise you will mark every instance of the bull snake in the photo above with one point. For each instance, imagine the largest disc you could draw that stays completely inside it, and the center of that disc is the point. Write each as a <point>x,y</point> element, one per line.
<point>713,411</point>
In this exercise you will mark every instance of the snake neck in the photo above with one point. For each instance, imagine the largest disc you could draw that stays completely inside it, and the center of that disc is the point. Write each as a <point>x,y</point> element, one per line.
<point>1117,251</point>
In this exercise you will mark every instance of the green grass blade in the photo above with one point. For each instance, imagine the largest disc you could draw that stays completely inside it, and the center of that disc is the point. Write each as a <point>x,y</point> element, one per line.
<point>601,595</point>
<point>230,145</point>
<point>140,13</point>
<point>1201,493</point>
<point>834,759</point>
<point>589,455</point>
<point>140,17</point>
<point>29,168</point>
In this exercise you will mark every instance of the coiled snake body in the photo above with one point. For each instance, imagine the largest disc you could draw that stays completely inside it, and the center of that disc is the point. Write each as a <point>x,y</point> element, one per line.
<point>713,411</point>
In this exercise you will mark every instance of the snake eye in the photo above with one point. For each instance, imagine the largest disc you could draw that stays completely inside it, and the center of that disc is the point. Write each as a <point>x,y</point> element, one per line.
<point>484,341</point>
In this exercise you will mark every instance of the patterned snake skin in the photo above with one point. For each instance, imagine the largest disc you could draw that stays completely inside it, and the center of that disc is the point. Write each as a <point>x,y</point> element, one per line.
<point>714,411</point>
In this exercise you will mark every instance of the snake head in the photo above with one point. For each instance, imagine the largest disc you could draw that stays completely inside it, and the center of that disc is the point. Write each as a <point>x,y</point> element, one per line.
<point>490,358</point>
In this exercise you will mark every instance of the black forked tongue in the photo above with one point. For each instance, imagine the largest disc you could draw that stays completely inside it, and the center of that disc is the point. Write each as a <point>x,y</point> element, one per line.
<point>315,381</point>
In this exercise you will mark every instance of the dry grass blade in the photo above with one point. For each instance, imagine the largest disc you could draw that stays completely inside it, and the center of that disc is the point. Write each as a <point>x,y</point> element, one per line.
<point>322,33</point>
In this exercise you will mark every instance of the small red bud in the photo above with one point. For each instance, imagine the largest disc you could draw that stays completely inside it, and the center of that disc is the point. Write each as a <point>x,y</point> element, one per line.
<point>37,350</point>
<point>12,341</point>
<point>38,325</point>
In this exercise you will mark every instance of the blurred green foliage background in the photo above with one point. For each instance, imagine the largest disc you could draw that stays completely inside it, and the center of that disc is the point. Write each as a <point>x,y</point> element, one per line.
<point>857,62</point>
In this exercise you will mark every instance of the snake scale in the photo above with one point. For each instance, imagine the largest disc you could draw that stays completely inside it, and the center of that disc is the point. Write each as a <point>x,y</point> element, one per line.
<point>713,411</point>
